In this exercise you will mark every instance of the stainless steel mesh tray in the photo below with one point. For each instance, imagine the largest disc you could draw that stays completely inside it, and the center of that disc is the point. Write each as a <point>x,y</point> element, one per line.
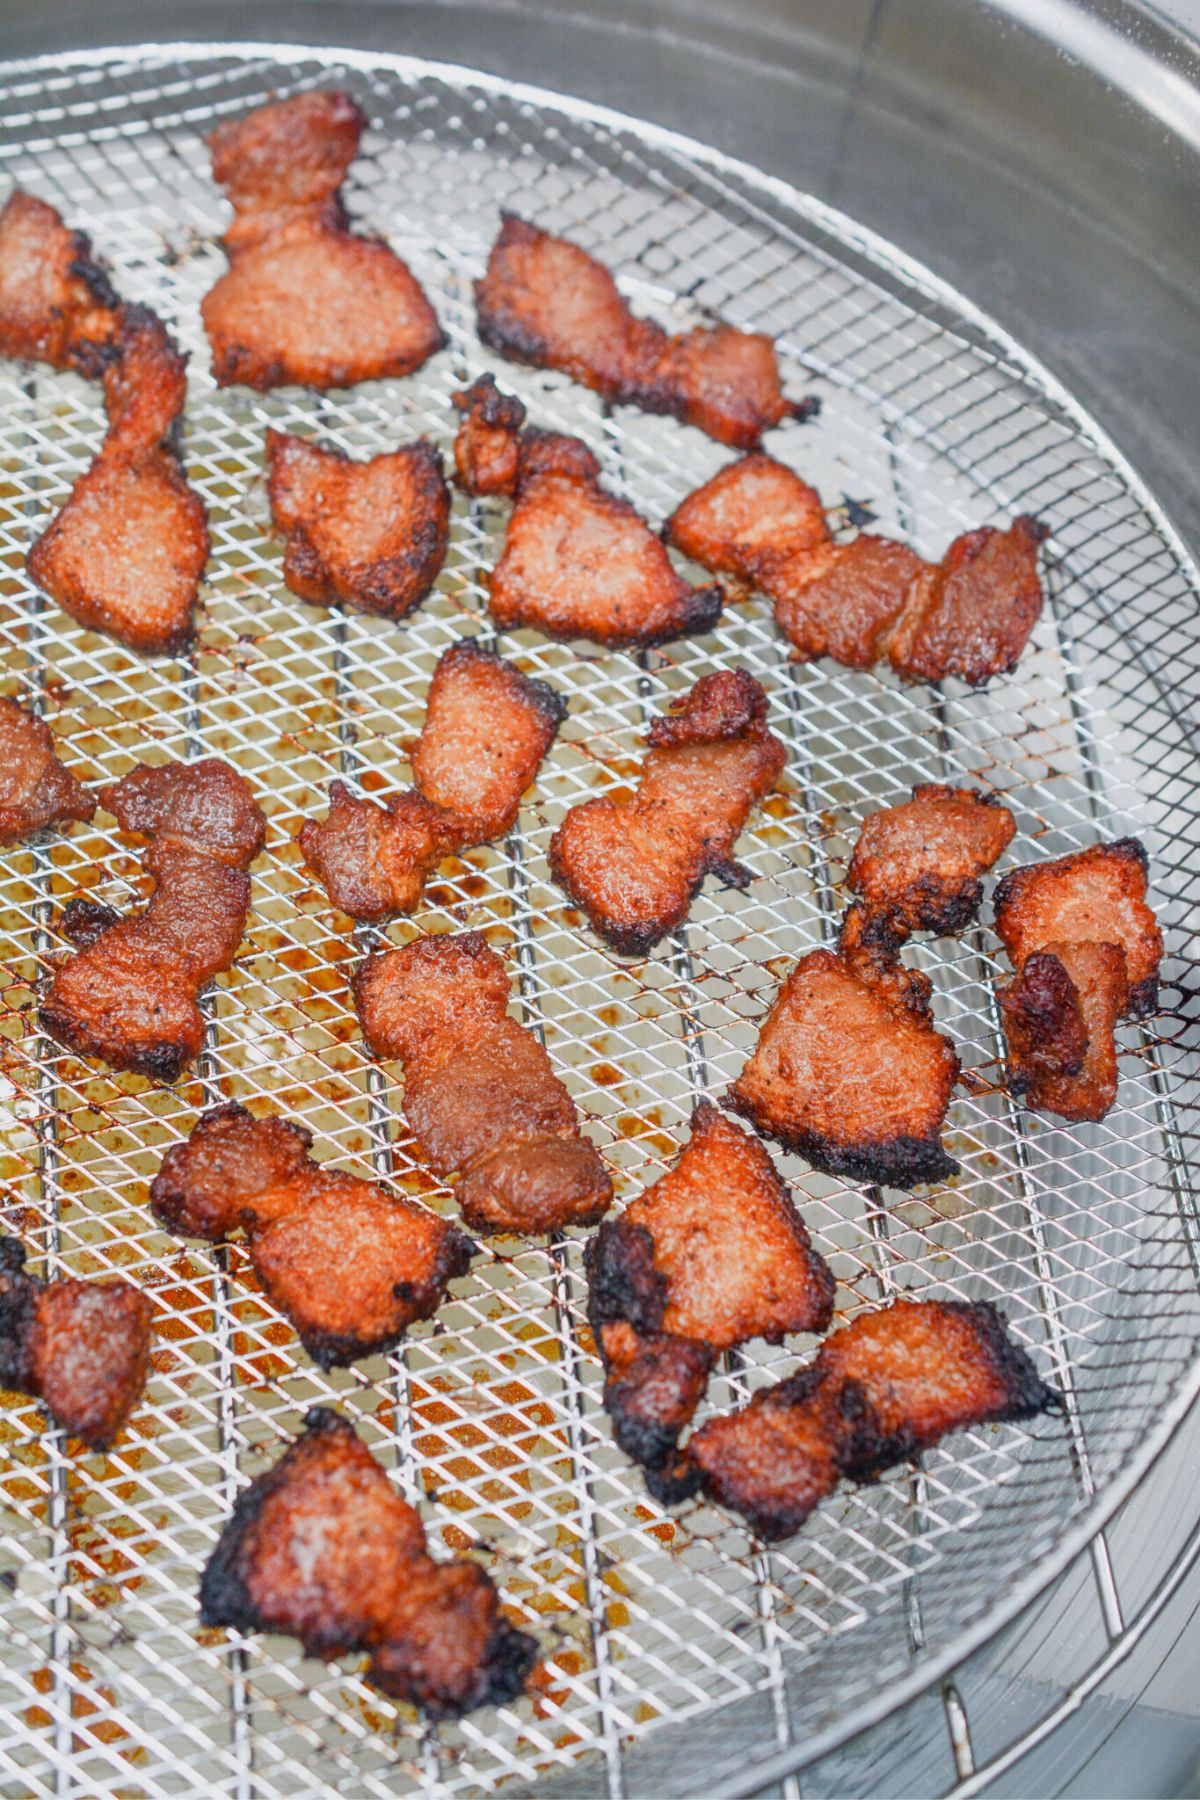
<point>1086,1236</point>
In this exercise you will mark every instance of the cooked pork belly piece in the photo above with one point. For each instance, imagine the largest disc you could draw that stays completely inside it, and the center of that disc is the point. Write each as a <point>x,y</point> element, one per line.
<point>487,728</point>
<point>920,862</point>
<point>480,1095</point>
<point>306,299</point>
<point>323,1548</point>
<point>969,615</point>
<point>577,561</point>
<point>35,789</point>
<point>351,1265</point>
<point>81,1347</point>
<point>125,554</point>
<point>545,301</point>
<point>713,1254</point>
<point>882,1389</point>
<point>129,994</point>
<point>850,1072</point>
<point>635,867</point>
<point>371,534</point>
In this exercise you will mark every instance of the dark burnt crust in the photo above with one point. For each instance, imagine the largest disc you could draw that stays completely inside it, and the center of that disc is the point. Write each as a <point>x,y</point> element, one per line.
<point>676,1480</point>
<point>627,940</point>
<point>486,400</point>
<point>84,921</point>
<point>941,911</point>
<point>1042,1022</point>
<point>330,1350</point>
<point>651,1439</point>
<point>508,1658</point>
<point>162,1061</point>
<point>18,1300</point>
<point>899,1162</point>
<point>546,701</point>
<point>623,1283</point>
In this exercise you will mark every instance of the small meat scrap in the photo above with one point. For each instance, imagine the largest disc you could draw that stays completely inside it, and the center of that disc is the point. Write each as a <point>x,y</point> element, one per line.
<point>577,561</point>
<point>713,1254</point>
<point>487,728</point>
<point>125,554</point>
<point>322,1547</point>
<point>306,299</point>
<point>35,789</point>
<point>1087,949</point>
<point>351,1265</point>
<point>881,1390</point>
<point>545,301</point>
<point>81,1347</point>
<point>921,862</point>
<point>850,1072</point>
<point>370,534</point>
<point>635,866</point>
<point>129,994</point>
<point>872,599</point>
<point>480,1095</point>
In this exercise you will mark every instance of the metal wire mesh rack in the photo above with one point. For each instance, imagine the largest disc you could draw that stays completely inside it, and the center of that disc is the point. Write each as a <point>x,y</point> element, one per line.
<point>490,1414</point>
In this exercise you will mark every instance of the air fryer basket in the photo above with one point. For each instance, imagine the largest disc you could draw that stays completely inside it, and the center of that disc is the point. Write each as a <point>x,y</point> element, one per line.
<point>490,1415</point>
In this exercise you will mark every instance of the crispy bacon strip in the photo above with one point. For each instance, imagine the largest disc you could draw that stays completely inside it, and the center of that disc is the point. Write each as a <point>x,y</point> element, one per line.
<point>35,789</point>
<point>920,862</point>
<point>306,299</point>
<point>372,534</point>
<point>487,728</point>
<point>129,994</point>
<point>634,867</point>
<point>322,1547</point>
<point>480,1095</point>
<point>545,301</point>
<point>81,1347</point>
<point>850,1072</point>
<point>969,615</point>
<point>1087,949</point>
<point>351,1265</point>
<point>881,1390</point>
<point>125,554</point>
<point>714,1253</point>
<point>577,561</point>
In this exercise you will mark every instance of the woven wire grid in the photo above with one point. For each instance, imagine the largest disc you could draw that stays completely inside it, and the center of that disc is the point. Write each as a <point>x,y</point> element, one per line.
<point>490,1415</point>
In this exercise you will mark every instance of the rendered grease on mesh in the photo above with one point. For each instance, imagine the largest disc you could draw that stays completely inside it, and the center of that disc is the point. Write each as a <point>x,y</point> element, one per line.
<point>874,599</point>
<point>322,1547</point>
<point>880,1390</point>
<point>36,790</point>
<point>1087,949</point>
<point>711,1255</point>
<point>125,554</point>
<point>545,301</point>
<point>351,1265</point>
<point>306,299</point>
<point>129,994</point>
<point>634,867</point>
<point>487,728</point>
<point>480,1094</point>
<point>81,1347</point>
<point>577,560</point>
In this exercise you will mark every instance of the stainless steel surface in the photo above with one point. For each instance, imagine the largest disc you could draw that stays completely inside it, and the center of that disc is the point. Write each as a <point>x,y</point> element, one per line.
<point>661,1631</point>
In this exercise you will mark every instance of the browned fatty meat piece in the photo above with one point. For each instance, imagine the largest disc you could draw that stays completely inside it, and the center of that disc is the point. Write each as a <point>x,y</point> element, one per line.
<point>81,1347</point>
<point>350,1264</point>
<point>634,867</point>
<point>1096,896</point>
<point>372,534</point>
<point>487,728</point>
<point>971,614</point>
<point>577,561</point>
<point>545,301</point>
<point>129,994</point>
<point>884,1388</point>
<point>125,554</point>
<point>323,1548</point>
<point>713,1254</point>
<point>921,861</point>
<point>480,1094</point>
<point>306,299</point>
<point>1060,1017</point>
<point>850,1072</point>
<point>35,789</point>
